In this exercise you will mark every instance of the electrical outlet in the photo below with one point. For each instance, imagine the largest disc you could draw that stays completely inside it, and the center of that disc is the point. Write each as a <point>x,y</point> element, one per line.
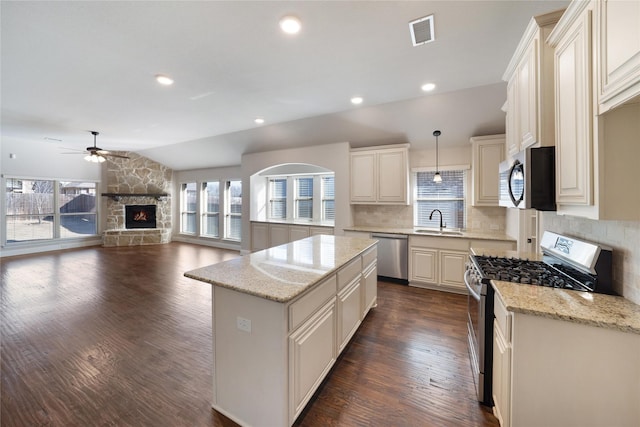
<point>243,324</point>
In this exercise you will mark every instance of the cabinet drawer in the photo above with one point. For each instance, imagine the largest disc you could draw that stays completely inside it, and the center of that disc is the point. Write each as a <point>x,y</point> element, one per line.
<point>368,257</point>
<point>503,318</point>
<point>310,302</point>
<point>349,272</point>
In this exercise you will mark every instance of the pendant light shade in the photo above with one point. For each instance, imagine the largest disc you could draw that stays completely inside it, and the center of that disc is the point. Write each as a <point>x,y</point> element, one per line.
<point>437,177</point>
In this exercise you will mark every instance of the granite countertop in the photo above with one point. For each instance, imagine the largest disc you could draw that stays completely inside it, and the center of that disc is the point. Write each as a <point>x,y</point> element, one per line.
<point>605,311</point>
<point>283,272</point>
<point>464,234</point>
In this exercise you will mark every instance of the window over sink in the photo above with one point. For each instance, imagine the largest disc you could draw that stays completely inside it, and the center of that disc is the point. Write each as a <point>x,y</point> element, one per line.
<point>448,196</point>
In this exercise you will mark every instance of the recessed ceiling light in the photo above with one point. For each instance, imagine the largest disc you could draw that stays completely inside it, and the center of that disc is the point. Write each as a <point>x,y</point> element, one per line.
<point>428,87</point>
<point>290,24</point>
<point>164,80</point>
<point>356,100</point>
<point>259,120</point>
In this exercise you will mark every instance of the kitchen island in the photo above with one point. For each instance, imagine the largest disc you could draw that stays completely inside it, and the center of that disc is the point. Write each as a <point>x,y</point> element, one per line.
<point>281,317</point>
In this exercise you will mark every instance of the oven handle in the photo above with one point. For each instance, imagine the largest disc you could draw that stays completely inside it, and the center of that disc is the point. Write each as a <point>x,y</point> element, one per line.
<point>472,291</point>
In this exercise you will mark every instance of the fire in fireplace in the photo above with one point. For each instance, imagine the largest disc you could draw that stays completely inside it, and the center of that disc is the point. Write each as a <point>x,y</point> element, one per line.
<point>140,216</point>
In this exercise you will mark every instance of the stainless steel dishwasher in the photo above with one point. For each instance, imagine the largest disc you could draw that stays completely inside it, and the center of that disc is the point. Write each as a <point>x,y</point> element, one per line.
<point>393,252</point>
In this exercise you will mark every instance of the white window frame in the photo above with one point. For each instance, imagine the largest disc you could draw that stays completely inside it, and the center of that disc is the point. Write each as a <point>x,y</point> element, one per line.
<point>205,213</point>
<point>184,211</point>
<point>318,212</point>
<point>227,211</point>
<point>465,199</point>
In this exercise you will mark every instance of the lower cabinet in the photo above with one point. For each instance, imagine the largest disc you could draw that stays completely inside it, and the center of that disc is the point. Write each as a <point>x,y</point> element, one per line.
<point>556,373</point>
<point>349,310</point>
<point>369,286</point>
<point>311,355</point>
<point>265,235</point>
<point>439,262</point>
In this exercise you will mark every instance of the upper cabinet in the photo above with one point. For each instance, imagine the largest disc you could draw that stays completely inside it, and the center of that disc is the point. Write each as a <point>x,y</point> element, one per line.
<point>619,49</point>
<point>487,152</point>
<point>380,175</point>
<point>596,154</point>
<point>529,77</point>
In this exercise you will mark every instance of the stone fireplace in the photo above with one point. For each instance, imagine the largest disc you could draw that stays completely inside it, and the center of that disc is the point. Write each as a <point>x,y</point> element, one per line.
<point>136,202</point>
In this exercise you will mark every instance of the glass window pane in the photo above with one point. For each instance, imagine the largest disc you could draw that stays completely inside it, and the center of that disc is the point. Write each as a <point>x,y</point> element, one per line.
<point>328,210</point>
<point>278,198</point>
<point>304,209</point>
<point>447,196</point>
<point>30,209</point>
<point>212,196</point>
<point>77,225</point>
<point>188,222</point>
<point>328,196</point>
<point>211,225</point>
<point>233,215</point>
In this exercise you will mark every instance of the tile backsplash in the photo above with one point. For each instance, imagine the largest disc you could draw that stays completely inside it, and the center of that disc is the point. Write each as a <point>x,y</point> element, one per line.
<point>478,219</point>
<point>622,236</point>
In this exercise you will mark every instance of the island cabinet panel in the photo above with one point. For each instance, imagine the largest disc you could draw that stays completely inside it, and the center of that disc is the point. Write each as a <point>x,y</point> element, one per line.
<point>369,281</point>
<point>281,317</point>
<point>312,353</point>
<point>305,306</point>
<point>349,308</point>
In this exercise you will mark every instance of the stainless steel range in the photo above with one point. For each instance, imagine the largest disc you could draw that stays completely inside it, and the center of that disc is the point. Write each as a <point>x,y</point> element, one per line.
<point>567,263</point>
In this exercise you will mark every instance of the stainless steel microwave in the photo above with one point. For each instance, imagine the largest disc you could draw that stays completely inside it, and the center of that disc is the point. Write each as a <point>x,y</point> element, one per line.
<point>528,180</point>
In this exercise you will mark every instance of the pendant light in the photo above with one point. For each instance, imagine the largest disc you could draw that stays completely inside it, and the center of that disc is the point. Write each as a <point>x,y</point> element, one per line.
<point>437,177</point>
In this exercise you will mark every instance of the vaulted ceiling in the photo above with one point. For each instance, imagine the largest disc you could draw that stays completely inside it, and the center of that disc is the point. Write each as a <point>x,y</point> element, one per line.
<point>71,67</point>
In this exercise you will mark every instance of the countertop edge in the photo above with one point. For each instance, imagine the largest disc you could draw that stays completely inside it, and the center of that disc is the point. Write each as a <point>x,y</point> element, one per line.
<point>605,311</point>
<point>274,296</point>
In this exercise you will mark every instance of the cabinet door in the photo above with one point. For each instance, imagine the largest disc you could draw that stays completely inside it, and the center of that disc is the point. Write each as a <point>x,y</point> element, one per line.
<point>259,236</point>
<point>297,232</point>
<point>423,265</point>
<point>369,289</point>
<point>312,352</point>
<point>349,311</point>
<point>487,155</point>
<point>314,231</point>
<point>278,234</point>
<point>363,177</point>
<point>527,96</point>
<point>392,176</point>
<point>452,268</point>
<point>574,136</point>
<point>512,121</point>
<point>501,377</point>
<point>619,52</point>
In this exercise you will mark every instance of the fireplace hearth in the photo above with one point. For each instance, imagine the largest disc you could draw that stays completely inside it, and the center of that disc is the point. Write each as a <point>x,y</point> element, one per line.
<point>140,216</point>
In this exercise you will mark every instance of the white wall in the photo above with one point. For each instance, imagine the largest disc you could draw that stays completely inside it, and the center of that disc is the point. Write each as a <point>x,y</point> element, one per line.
<point>334,157</point>
<point>37,160</point>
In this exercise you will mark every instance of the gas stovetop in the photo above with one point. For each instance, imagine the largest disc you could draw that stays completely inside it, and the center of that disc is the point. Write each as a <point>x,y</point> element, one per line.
<point>534,273</point>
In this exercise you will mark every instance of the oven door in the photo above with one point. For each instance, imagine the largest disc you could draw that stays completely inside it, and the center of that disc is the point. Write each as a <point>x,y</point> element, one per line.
<point>475,326</point>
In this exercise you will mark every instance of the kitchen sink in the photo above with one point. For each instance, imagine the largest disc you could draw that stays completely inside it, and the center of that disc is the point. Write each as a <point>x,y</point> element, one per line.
<point>438,232</point>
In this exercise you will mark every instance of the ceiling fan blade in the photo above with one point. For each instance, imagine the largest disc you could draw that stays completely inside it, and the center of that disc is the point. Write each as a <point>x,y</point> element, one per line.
<point>114,155</point>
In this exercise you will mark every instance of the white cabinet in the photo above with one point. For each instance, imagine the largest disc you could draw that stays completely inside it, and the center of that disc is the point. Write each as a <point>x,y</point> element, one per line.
<point>529,78</point>
<point>574,113</point>
<point>312,353</point>
<point>349,311</point>
<point>487,153</point>
<point>619,52</point>
<point>549,372</point>
<point>380,175</point>
<point>596,155</point>
<point>369,280</point>
<point>259,236</point>
<point>297,232</point>
<point>266,235</point>
<point>439,262</point>
<point>423,265</point>
<point>452,269</point>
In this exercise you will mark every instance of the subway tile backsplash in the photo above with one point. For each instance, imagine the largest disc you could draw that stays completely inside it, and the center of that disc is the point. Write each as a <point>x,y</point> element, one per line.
<point>478,219</point>
<point>622,236</point>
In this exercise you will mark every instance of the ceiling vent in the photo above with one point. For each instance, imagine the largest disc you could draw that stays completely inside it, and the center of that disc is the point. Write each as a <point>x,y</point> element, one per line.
<point>422,30</point>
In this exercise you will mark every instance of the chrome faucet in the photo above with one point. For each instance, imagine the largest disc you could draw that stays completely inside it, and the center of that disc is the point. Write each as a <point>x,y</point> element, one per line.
<point>431,216</point>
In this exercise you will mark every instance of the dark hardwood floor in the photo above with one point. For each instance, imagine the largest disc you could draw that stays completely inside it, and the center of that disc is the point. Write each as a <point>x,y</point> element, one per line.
<point>119,337</point>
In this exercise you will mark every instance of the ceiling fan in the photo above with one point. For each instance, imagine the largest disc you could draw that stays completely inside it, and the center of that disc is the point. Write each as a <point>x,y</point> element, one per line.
<point>97,154</point>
